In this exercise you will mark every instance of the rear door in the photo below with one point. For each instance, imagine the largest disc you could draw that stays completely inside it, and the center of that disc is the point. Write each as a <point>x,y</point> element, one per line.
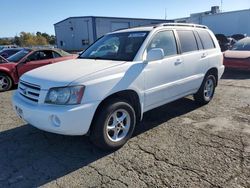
<point>35,60</point>
<point>194,60</point>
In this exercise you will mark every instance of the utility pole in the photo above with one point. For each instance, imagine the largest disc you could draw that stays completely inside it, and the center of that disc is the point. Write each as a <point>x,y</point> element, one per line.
<point>221,5</point>
<point>166,13</point>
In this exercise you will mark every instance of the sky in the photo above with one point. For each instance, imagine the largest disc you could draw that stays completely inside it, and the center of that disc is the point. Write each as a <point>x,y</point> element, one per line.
<point>40,15</point>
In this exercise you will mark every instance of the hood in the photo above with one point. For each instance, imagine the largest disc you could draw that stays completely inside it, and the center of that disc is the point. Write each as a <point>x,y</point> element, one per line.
<point>63,73</point>
<point>234,54</point>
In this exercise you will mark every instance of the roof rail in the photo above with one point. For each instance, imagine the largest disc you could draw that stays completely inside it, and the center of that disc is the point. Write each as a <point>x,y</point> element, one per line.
<point>181,25</point>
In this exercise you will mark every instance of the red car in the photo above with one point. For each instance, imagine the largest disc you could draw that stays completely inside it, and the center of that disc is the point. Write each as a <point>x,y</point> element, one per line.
<point>239,56</point>
<point>25,60</point>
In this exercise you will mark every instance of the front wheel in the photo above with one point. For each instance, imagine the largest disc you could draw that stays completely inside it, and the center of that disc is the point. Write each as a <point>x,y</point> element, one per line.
<point>114,125</point>
<point>5,82</point>
<point>206,91</point>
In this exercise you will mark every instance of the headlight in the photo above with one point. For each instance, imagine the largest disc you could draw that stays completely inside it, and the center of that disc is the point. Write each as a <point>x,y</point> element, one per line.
<point>65,95</point>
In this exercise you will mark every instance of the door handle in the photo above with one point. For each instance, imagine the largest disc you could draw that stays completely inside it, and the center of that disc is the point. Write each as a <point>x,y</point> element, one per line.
<point>203,55</point>
<point>178,62</point>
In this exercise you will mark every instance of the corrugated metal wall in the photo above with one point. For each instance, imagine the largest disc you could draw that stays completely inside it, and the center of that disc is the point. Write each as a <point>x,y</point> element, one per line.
<point>229,23</point>
<point>106,25</point>
<point>73,34</point>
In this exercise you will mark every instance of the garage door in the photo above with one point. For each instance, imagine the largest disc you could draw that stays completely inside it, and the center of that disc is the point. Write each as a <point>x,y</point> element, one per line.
<point>119,25</point>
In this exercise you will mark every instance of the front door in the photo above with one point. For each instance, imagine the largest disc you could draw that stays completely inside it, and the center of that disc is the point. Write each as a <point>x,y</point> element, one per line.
<point>35,60</point>
<point>162,76</point>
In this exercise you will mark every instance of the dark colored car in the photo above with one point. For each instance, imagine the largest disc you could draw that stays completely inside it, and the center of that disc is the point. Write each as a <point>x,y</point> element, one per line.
<point>7,52</point>
<point>25,60</point>
<point>7,46</point>
<point>223,42</point>
<point>238,57</point>
<point>238,36</point>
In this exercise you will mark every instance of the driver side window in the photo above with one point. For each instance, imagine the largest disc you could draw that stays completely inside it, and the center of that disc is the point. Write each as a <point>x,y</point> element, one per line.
<point>166,41</point>
<point>34,57</point>
<point>41,55</point>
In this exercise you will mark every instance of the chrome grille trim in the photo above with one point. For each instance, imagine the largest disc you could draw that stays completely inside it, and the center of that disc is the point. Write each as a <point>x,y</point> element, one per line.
<point>29,91</point>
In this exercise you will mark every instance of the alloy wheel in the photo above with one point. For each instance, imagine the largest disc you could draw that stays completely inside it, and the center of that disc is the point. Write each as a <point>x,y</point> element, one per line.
<point>118,125</point>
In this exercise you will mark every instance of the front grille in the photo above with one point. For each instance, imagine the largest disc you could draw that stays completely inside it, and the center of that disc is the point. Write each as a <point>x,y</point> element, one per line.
<point>29,91</point>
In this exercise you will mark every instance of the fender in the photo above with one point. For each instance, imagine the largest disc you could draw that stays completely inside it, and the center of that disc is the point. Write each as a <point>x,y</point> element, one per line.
<point>11,72</point>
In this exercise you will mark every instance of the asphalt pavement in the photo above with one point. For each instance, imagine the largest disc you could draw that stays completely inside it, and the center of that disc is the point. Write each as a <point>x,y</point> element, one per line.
<point>180,144</point>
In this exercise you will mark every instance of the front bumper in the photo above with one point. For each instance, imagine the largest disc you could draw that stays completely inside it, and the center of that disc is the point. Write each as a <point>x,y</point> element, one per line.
<point>66,120</point>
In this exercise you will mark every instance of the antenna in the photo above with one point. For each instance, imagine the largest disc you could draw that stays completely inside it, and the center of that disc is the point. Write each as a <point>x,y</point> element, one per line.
<point>221,5</point>
<point>165,13</point>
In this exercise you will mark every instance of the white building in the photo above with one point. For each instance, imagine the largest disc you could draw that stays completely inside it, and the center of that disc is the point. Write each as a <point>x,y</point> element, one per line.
<point>77,33</point>
<point>227,23</point>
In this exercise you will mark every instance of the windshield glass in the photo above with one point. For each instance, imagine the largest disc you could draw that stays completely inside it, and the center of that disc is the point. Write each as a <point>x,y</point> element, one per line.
<point>117,46</point>
<point>242,45</point>
<point>18,56</point>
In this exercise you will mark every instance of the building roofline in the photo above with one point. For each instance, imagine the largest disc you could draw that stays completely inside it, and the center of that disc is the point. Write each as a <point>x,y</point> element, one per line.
<point>229,12</point>
<point>107,17</point>
<point>220,13</point>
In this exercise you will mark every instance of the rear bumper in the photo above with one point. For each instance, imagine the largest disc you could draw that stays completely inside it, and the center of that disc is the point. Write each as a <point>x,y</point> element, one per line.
<point>221,71</point>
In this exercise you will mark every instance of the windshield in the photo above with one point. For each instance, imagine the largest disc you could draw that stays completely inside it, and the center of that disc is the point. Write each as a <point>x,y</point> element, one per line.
<point>18,56</point>
<point>242,45</point>
<point>117,46</point>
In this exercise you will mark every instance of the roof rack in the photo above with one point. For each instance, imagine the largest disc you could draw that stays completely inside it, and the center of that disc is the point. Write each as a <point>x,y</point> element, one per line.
<point>181,25</point>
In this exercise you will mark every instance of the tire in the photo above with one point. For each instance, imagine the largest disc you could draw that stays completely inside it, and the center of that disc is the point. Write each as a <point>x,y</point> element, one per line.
<point>206,92</point>
<point>109,134</point>
<point>5,82</point>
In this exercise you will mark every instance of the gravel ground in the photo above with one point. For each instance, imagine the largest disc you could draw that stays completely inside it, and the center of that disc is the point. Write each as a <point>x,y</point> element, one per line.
<point>177,145</point>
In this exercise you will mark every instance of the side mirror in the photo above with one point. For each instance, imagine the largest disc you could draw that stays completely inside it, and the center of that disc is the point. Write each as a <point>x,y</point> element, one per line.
<point>155,54</point>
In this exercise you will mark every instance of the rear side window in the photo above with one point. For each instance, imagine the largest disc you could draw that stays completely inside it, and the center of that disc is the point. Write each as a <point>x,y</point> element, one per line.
<point>198,39</point>
<point>206,39</point>
<point>187,41</point>
<point>56,55</point>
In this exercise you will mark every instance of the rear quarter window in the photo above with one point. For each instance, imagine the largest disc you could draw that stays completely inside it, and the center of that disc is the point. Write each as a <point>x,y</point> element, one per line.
<point>187,41</point>
<point>56,55</point>
<point>206,39</point>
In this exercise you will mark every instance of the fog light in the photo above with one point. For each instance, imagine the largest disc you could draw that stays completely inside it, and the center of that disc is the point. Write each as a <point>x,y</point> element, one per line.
<point>55,121</point>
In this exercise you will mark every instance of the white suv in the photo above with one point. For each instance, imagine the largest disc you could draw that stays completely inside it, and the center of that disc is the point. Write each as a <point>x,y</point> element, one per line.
<point>105,91</point>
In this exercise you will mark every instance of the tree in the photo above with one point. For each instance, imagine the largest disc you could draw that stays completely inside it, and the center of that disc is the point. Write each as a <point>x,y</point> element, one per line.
<point>5,41</point>
<point>40,40</point>
<point>51,39</point>
<point>16,41</point>
<point>29,39</point>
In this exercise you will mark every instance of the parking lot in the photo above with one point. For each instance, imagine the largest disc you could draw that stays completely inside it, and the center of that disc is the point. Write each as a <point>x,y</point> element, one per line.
<point>177,145</point>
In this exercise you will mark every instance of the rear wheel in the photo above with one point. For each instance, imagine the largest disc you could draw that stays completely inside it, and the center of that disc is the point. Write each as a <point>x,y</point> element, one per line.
<point>114,125</point>
<point>206,91</point>
<point>5,82</point>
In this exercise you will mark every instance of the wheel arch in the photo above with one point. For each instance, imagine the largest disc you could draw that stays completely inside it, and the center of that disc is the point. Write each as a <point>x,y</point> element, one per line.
<point>8,74</point>
<point>131,96</point>
<point>213,71</point>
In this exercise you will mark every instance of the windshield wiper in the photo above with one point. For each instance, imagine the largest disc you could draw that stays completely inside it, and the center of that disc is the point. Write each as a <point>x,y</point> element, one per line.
<point>95,58</point>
